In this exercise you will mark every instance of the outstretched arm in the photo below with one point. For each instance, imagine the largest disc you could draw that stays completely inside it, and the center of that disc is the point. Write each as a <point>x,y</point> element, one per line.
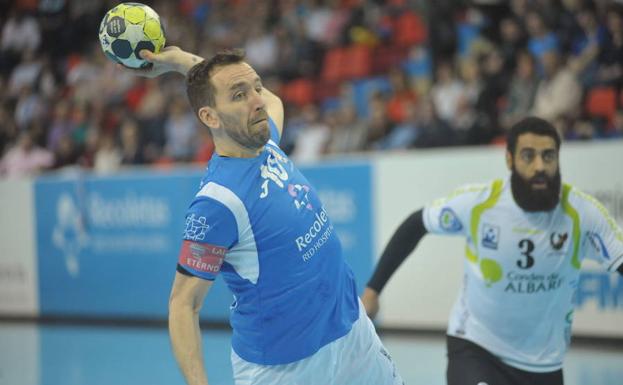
<point>187,296</point>
<point>173,59</point>
<point>402,243</point>
<point>170,59</point>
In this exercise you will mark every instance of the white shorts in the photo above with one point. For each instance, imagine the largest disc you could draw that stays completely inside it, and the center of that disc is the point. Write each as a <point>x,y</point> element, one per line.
<point>358,358</point>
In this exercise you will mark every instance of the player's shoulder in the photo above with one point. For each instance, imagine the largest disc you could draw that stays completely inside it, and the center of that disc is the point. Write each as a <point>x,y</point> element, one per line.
<point>472,193</point>
<point>587,207</point>
<point>579,199</point>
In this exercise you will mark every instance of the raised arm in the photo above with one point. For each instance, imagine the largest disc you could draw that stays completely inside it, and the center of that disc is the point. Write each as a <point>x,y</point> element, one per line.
<point>402,243</point>
<point>173,59</point>
<point>186,299</point>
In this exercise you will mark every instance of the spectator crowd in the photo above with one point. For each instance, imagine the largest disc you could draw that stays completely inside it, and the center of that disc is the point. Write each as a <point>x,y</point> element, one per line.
<point>355,75</point>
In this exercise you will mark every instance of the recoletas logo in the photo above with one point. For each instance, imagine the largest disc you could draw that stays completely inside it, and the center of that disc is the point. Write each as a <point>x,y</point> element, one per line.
<point>69,234</point>
<point>318,233</point>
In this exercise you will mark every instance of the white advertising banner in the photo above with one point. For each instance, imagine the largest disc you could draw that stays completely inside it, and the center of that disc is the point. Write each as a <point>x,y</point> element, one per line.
<point>18,268</point>
<point>421,293</point>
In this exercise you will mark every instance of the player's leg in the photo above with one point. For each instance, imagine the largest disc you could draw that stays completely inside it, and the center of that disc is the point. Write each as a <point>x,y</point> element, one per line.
<point>358,358</point>
<point>549,378</point>
<point>470,364</point>
<point>363,360</point>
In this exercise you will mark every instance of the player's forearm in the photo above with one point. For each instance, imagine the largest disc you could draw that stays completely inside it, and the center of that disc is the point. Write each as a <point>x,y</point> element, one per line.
<point>186,61</point>
<point>186,342</point>
<point>402,243</point>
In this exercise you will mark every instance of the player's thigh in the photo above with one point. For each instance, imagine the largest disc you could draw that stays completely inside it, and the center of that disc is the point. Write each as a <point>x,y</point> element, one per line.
<point>469,364</point>
<point>363,360</point>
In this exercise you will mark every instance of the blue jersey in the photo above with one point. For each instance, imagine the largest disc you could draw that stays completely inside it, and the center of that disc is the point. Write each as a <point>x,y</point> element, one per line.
<point>260,224</point>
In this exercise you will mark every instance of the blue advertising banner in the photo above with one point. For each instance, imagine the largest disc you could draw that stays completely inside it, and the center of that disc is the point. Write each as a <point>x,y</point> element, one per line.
<point>346,191</point>
<point>108,246</point>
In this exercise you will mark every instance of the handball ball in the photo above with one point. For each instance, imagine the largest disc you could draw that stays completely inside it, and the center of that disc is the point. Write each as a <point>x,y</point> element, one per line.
<point>129,28</point>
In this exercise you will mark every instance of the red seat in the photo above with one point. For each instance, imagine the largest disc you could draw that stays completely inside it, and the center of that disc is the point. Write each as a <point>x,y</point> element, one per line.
<point>409,30</point>
<point>602,102</point>
<point>333,65</point>
<point>357,61</point>
<point>299,92</point>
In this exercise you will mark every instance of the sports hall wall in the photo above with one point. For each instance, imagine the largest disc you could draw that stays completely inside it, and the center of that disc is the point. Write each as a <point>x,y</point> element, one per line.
<point>79,245</point>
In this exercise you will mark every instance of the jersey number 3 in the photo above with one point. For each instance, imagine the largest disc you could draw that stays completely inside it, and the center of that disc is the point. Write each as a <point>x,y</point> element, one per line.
<point>527,247</point>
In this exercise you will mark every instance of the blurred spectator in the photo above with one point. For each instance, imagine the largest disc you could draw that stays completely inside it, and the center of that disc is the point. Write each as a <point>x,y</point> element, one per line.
<point>559,93</point>
<point>448,91</point>
<point>28,108</point>
<point>205,146</point>
<point>60,126</point>
<point>66,153</point>
<point>404,135</point>
<point>25,158</point>
<point>542,39</point>
<point>152,114</point>
<point>401,96</point>
<point>616,130</point>
<point>107,157</point>
<point>494,87</point>
<point>587,45</point>
<point>181,130</point>
<point>25,73</point>
<point>131,151</point>
<point>349,133</point>
<point>521,91</point>
<point>611,58</point>
<point>513,40</point>
<point>432,131</point>
<point>313,137</point>
<point>56,83</point>
<point>378,122</point>
<point>20,34</point>
<point>8,128</point>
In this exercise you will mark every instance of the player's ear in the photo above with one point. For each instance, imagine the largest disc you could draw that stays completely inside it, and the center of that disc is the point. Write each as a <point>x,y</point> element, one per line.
<point>209,117</point>
<point>509,160</point>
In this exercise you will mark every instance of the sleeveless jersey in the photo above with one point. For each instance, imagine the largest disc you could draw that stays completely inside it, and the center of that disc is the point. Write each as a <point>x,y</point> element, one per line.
<point>280,255</point>
<point>522,269</point>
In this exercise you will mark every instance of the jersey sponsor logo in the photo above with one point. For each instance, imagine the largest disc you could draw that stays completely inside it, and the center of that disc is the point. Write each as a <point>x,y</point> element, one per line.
<point>196,228</point>
<point>273,171</point>
<point>532,283</point>
<point>202,257</point>
<point>315,237</point>
<point>300,195</point>
<point>598,244</point>
<point>490,236</point>
<point>449,221</point>
<point>558,240</point>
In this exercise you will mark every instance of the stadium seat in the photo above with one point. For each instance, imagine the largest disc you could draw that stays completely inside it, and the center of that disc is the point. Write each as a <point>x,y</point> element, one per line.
<point>409,30</point>
<point>357,62</point>
<point>332,64</point>
<point>601,102</point>
<point>299,92</point>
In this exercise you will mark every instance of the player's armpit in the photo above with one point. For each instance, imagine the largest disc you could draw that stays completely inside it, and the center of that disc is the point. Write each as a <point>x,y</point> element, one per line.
<point>620,269</point>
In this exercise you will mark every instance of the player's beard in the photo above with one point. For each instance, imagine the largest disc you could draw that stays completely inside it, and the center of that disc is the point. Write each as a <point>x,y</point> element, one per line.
<point>532,200</point>
<point>253,136</point>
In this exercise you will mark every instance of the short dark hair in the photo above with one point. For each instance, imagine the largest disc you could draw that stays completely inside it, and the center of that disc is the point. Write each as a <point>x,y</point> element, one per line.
<point>531,125</point>
<point>199,88</point>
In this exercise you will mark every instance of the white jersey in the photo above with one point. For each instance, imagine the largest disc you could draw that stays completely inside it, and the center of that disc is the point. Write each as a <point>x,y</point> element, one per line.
<point>522,269</point>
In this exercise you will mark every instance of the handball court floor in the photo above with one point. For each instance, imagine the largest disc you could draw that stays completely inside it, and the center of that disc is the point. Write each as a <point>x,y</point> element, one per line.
<point>56,354</point>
